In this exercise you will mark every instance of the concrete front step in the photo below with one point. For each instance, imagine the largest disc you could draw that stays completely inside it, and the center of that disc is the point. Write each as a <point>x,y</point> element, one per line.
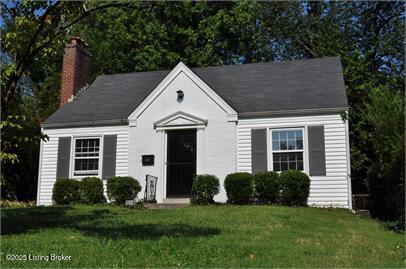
<point>176,201</point>
<point>164,206</point>
<point>169,203</point>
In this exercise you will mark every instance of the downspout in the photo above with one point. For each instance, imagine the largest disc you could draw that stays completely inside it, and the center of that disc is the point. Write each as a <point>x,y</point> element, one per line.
<point>39,169</point>
<point>347,142</point>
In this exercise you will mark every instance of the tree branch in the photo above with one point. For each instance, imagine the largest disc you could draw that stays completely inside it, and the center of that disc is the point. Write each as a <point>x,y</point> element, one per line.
<point>37,33</point>
<point>24,61</point>
<point>88,12</point>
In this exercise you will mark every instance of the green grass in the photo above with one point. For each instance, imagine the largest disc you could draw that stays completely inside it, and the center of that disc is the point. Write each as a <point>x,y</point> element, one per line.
<point>214,236</point>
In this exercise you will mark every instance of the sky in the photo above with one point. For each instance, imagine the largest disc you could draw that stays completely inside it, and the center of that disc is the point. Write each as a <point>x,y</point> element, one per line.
<point>10,4</point>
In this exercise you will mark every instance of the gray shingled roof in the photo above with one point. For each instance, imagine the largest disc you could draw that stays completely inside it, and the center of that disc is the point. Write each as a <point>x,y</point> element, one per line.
<point>302,85</point>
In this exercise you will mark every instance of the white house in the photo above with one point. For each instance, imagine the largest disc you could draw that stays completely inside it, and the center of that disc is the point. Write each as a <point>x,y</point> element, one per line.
<point>213,120</point>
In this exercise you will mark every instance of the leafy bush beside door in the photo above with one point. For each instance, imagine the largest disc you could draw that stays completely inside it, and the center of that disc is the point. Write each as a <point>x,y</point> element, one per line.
<point>120,189</point>
<point>239,187</point>
<point>204,188</point>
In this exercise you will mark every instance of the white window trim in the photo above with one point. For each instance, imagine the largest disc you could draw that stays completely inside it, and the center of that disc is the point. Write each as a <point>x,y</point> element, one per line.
<point>271,151</point>
<point>72,158</point>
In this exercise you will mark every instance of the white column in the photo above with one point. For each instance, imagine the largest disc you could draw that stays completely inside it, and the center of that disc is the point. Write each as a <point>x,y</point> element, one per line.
<point>201,151</point>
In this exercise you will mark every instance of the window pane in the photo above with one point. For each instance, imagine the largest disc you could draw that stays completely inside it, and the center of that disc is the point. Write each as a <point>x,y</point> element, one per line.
<point>283,135</point>
<point>283,157</point>
<point>283,145</point>
<point>299,144</point>
<point>284,166</point>
<point>77,165</point>
<point>292,165</point>
<point>276,166</point>
<point>292,156</point>
<point>275,145</point>
<point>275,136</point>
<point>299,165</point>
<point>299,134</point>
<point>291,135</point>
<point>291,144</point>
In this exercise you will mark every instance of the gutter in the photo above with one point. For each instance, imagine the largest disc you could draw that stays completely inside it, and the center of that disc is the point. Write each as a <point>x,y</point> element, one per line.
<point>280,113</point>
<point>244,115</point>
<point>84,123</point>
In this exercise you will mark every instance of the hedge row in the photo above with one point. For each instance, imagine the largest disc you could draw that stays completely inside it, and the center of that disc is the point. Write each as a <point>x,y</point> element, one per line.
<point>290,188</point>
<point>89,190</point>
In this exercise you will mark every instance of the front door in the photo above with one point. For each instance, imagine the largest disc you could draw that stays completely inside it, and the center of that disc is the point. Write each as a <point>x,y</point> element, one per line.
<point>181,163</point>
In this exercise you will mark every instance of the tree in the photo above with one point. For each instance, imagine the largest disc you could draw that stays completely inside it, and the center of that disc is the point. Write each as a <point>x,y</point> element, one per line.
<point>34,32</point>
<point>386,114</point>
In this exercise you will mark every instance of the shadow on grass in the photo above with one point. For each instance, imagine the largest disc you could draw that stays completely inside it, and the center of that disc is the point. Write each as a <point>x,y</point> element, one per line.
<point>23,220</point>
<point>148,231</point>
<point>31,220</point>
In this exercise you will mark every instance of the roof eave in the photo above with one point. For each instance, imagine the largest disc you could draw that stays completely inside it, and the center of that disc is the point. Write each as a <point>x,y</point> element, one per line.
<point>299,112</point>
<point>84,124</point>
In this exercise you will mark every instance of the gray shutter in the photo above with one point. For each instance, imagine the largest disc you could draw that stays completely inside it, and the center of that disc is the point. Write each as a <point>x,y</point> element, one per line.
<point>317,152</point>
<point>109,156</point>
<point>62,164</point>
<point>258,150</point>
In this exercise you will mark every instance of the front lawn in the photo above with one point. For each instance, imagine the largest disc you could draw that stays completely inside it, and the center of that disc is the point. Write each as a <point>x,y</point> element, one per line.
<point>214,236</point>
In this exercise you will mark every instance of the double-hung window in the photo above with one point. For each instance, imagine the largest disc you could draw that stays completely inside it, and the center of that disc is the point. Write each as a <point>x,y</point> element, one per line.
<point>287,149</point>
<point>86,157</point>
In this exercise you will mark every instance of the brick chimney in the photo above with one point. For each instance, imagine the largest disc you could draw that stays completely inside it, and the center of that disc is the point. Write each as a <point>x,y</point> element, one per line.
<point>75,69</point>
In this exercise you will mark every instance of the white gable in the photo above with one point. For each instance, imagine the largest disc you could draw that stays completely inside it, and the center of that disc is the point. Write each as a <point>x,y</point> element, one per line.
<point>179,70</point>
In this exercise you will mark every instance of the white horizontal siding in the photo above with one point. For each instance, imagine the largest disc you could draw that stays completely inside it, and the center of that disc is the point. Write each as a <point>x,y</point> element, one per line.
<point>49,154</point>
<point>329,190</point>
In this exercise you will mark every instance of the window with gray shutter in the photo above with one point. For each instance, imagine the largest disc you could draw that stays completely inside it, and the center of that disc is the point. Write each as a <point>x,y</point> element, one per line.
<point>86,157</point>
<point>109,156</point>
<point>317,152</point>
<point>62,164</point>
<point>259,159</point>
<point>287,149</point>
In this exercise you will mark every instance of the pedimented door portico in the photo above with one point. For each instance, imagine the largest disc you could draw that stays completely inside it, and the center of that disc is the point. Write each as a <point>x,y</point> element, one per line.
<point>183,152</point>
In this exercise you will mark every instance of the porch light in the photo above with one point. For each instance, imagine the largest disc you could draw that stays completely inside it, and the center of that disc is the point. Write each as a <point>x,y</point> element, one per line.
<point>180,95</point>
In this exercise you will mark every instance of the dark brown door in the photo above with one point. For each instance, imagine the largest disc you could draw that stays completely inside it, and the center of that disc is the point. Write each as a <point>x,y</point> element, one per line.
<point>181,163</point>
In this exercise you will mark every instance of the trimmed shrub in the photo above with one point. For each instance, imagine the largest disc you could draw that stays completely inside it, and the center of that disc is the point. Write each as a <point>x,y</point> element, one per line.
<point>239,187</point>
<point>91,190</point>
<point>66,191</point>
<point>267,186</point>
<point>295,188</point>
<point>204,188</point>
<point>121,189</point>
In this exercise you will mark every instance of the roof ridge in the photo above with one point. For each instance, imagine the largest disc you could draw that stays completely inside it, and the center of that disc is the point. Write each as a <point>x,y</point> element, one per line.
<point>224,66</point>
